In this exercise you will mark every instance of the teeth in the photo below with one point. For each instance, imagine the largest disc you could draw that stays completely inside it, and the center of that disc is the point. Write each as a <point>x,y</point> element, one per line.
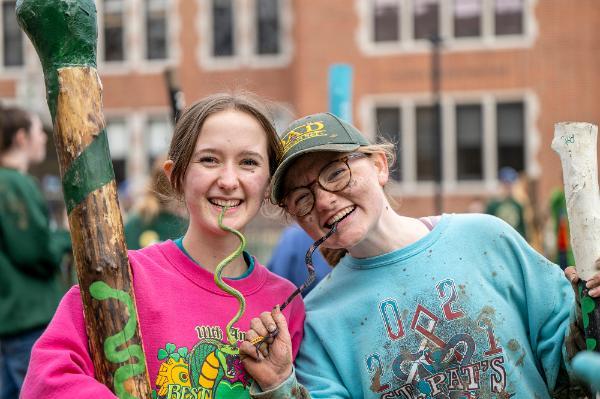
<point>228,203</point>
<point>340,215</point>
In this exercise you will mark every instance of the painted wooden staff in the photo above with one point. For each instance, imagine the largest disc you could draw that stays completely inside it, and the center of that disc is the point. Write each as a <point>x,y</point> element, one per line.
<point>64,35</point>
<point>575,143</point>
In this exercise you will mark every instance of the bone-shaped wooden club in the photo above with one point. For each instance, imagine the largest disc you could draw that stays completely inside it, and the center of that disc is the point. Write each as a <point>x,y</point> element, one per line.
<point>64,35</point>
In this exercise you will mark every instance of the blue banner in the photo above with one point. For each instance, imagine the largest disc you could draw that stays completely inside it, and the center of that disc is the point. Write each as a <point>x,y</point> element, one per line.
<point>340,91</point>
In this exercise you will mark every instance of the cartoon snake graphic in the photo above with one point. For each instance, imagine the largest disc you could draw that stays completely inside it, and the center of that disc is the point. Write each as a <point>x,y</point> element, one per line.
<point>208,363</point>
<point>102,291</point>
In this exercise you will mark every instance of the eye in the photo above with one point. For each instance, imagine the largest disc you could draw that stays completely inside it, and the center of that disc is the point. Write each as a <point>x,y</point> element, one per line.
<point>208,160</point>
<point>249,162</point>
<point>335,172</point>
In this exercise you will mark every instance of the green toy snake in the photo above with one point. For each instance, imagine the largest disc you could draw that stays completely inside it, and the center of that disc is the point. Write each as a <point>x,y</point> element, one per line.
<point>227,288</point>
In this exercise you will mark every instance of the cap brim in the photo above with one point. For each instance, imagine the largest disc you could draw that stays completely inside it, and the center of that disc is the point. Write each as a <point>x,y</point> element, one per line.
<point>277,183</point>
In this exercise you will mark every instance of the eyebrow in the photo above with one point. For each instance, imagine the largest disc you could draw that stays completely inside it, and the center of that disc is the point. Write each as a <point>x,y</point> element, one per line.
<point>245,153</point>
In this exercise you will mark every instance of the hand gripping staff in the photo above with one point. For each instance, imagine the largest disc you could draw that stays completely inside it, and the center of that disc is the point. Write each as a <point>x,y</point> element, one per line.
<point>575,143</point>
<point>64,35</point>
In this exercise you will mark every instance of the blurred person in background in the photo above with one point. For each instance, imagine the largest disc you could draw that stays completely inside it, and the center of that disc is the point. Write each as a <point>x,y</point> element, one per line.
<point>156,216</point>
<point>289,255</point>
<point>30,252</point>
<point>563,254</point>
<point>507,207</point>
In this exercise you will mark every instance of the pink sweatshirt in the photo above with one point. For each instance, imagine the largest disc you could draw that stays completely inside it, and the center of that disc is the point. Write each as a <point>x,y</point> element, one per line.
<point>182,316</point>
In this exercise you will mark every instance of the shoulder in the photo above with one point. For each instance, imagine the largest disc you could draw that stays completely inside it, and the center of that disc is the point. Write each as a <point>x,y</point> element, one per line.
<point>479,221</point>
<point>154,253</point>
<point>272,279</point>
<point>481,227</point>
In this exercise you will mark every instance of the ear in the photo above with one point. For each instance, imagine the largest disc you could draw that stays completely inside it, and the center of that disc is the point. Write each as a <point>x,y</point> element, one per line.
<point>21,139</point>
<point>381,165</point>
<point>168,169</point>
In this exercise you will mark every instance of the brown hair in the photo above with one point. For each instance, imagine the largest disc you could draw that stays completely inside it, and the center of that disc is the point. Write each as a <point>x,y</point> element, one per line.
<point>12,119</point>
<point>192,119</point>
<point>157,195</point>
<point>334,255</point>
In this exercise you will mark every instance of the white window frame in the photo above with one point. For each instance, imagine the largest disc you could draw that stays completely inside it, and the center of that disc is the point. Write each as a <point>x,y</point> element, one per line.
<point>136,121</point>
<point>127,13</point>
<point>407,44</point>
<point>14,70</point>
<point>407,103</point>
<point>134,17</point>
<point>244,38</point>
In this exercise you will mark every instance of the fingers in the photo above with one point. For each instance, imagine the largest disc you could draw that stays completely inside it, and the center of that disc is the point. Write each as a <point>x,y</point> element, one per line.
<point>571,274</point>
<point>248,349</point>
<point>593,284</point>
<point>281,324</point>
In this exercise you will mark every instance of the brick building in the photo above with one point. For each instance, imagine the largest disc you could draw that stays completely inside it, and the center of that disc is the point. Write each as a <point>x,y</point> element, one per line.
<point>509,70</point>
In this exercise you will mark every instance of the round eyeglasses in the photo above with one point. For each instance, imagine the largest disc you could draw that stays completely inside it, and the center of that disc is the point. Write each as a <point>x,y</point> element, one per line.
<point>333,177</point>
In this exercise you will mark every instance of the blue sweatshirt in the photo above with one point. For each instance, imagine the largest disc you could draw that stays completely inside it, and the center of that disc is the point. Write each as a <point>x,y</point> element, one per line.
<point>468,311</point>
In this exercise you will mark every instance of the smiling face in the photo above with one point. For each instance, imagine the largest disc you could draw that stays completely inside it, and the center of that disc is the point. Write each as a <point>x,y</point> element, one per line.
<point>229,167</point>
<point>358,207</point>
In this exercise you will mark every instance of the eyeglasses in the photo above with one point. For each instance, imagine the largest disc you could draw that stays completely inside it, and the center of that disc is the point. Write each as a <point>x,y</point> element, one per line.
<point>333,177</point>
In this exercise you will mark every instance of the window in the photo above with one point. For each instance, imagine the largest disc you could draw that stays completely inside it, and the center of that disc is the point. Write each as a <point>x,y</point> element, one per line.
<point>244,33</point>
<point>156,29</point>
<point>267,15</point>
<point>467,18</point>
<point>392,26</point>
<point>223,28</point>
<point>426,145</point>
<point>426,23</point>
<point>389,122</point>
<point>159,131</point>
<point>118,142</point>
<point>469,142</point>
<point>386,20</point>
<point>12,37</point>
<point>510,127</point>
<point>481,133</point>
<point>114,37</point>
<point>508,16</point>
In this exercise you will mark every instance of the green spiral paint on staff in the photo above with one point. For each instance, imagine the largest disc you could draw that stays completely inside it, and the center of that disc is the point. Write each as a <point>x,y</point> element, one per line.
<point>224,286</point>
<point>588,314</point>
<point>101,291</point>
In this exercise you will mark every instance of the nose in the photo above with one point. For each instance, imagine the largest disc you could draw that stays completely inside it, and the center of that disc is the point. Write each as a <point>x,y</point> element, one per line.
<point>228,179</point>
<point>324,200</point>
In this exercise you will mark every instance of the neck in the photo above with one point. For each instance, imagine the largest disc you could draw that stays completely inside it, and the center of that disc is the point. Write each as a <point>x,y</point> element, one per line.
<point>391,232</point>
<point>15,160</point>
<point>208,250</point>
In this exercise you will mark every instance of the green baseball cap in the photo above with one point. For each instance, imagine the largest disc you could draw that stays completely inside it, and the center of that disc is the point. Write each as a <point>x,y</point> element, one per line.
<point>317,132</point>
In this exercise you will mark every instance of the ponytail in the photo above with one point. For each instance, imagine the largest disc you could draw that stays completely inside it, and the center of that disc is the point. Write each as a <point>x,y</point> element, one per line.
<point>333,256</point>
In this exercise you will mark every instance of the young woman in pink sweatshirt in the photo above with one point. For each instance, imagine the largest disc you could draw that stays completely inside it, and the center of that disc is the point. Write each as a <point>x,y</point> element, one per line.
<point>222,154</point>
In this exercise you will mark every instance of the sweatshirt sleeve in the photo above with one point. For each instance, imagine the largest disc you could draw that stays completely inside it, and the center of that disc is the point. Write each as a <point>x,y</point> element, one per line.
<point>60,365</point>
<point>314,375</point>
<point>315,369</point>
<point>29,243</point>
<point>547,306</point>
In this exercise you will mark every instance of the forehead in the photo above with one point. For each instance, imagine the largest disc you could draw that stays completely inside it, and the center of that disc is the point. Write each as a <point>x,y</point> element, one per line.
<point>306,168</point>
<point>231,129</point>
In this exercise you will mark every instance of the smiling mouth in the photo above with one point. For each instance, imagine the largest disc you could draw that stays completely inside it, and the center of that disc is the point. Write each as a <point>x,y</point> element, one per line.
<point>341,215</point>
<point>225,203</point>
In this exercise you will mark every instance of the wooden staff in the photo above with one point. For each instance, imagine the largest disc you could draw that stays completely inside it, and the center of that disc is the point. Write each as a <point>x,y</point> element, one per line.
<point>575,142</point>
<point>64,35</point>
